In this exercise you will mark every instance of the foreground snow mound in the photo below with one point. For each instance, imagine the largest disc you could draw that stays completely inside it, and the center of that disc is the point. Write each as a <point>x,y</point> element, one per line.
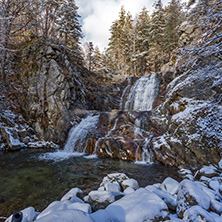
<point>170,185</point>
<point>29,214</point>
<point>140,206</point>
<point>66,216</point>
<point>197,213</point>
<point>190,194</point>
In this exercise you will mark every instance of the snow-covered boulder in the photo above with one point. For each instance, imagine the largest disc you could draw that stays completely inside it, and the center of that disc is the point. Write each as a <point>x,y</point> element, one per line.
<point>114,177</point>
<point>209,171</point>
<point>99,199</point>
<point>140,206</point>
<point>112,187</point>
<point>102,216</point>
<point>190,194</point>
<point>28,215</point>
<point>11,135</point>
<point>220,164</point>
<point>66,216</point>
<point>128,190</point>
<point>197,213</point>
<point>64,206</point>
<point>170,185</point>
<point>130,183</point>
<point>168,198</point>
<point>72,194</point>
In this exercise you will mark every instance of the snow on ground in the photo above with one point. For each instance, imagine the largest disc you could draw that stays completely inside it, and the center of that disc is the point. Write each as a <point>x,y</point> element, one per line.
<point>188,200</point>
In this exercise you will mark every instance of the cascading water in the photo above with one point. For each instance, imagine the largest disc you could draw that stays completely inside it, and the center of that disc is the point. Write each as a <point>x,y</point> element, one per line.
<point>75,145</point>
<point>143,93</point>
<point>147,155</point>
<point>124,92</point>
<point>79,132</point>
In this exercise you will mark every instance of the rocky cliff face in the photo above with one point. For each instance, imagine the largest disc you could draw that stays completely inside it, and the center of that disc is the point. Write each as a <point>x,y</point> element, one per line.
<point>55,92</point>
<point>187,125</point>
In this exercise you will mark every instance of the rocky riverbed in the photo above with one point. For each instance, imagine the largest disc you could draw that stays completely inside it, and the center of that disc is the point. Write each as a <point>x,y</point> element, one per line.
<point>119,198</point>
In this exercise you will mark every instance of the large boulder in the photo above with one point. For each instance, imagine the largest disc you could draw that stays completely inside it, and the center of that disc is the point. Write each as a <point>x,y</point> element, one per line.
<point>191,194</point>
<point>140,206</point>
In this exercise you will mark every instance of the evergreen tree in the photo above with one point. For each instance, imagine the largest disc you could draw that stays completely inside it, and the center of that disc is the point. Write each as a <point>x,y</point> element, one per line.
<point>141,43</point>
<point>157,26</point>
<point>127,49</point>
<point>174,16</point>
<point>67,21</point>
<point>116,41</point>
<point>16,20</point>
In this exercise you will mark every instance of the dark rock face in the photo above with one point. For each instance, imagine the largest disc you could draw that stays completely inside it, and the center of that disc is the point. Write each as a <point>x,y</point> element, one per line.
<point>49,93</point>
<point>55,85</point>
<point>123,136</point>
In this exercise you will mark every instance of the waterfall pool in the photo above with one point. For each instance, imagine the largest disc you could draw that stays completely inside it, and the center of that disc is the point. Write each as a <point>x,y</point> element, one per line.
<point>29,180</point>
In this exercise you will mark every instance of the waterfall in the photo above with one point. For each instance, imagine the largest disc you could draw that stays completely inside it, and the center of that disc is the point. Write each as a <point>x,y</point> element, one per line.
<point>124,92</point>
<point>79,133</point>
<point>143,93</point>
<point>147,154</point>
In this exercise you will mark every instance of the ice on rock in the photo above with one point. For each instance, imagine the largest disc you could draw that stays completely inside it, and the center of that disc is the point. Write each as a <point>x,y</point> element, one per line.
<point>64,206</point>
<point>130,183</point>
<point>112,187</point>
<point>66,216</point>
<point>29,215</point>
<point>139,206</point>
<point>72,194</point>
<point>190,194</point>
<point>170,185</point>
<point>197,213</point>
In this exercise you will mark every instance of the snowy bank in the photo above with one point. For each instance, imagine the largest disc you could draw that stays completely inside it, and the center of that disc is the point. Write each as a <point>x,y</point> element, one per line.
<point>198,197</point>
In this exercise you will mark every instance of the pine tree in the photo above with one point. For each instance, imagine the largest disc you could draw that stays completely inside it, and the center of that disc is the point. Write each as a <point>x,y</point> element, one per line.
<point>16,20</point>
<point>67,21</point>
<point>157,26</point>
<point>127,45</point>
<point>141,43</point>
<point>174,16</point>
<point>116,41</point>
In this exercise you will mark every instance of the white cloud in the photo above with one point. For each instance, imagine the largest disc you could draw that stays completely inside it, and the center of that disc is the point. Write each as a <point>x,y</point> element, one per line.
<point>98,15</point>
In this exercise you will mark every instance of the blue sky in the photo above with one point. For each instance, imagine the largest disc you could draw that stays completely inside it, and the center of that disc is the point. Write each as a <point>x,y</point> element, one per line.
<point>97,16</point>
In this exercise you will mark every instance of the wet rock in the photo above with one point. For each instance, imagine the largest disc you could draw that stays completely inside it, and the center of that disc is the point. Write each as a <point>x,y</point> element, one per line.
<point>10,135</point>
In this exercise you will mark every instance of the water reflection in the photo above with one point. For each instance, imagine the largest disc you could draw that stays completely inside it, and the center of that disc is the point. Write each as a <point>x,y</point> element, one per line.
<point>28,180</point>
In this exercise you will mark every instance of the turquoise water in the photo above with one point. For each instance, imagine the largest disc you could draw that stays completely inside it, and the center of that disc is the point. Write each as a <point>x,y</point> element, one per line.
<point>27,179</point>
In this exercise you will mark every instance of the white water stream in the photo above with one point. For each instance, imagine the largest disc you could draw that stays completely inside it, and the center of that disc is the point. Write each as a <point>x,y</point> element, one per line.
<point>79,132</point>
<point>140,98</point>
<point>143,94</point>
